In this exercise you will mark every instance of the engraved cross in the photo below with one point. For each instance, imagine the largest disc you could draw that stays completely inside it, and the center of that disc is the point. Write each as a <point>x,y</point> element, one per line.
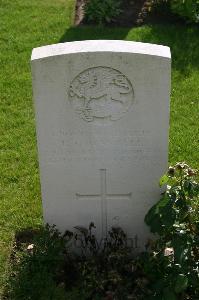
<point>103,196</point>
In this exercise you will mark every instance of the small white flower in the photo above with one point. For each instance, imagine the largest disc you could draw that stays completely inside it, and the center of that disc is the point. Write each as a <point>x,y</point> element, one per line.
<point>168,251</point>
<point>30,247</point>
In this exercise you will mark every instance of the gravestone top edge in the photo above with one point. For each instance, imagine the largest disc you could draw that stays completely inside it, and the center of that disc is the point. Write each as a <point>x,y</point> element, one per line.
<point>98,46</point>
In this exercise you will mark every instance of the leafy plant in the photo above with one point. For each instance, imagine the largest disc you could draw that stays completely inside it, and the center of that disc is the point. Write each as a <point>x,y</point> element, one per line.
<point>174,258</point>
<point>37,268</point>
<point>102,11</point>
<point>188,9</point>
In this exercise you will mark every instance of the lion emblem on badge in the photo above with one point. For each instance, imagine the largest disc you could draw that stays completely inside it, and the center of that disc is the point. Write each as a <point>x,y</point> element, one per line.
<point>101,93</point>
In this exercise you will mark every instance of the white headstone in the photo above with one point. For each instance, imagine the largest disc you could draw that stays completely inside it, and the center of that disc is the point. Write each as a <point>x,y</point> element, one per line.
<point>102,114</point>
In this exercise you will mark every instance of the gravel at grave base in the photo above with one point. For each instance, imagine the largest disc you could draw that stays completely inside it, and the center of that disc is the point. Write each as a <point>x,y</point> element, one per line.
<point>133,12</point>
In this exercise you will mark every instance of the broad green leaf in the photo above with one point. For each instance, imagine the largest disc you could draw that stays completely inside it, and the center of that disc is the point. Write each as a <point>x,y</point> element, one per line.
<point>154,211</point>
<point>156,297</point>
<point>169,220</point>
<point>168,294</point>
<point>152,219</point>
<point>156,225</point>
<point>158,285</point>
<point>163,180</point>
<point>163,201</point>
<point>150,215</point>
<point>168,215</point>
<point>181,283</point>
<point>181,244</point>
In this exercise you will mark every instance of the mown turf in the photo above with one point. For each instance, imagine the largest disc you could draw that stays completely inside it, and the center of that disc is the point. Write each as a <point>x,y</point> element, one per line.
<point>26,24</point>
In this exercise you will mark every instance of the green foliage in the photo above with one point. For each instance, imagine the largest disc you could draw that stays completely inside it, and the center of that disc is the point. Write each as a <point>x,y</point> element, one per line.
<point>102,11</point>
<point>174,258</point>
<point>37,267</point>
<point>188,9</point>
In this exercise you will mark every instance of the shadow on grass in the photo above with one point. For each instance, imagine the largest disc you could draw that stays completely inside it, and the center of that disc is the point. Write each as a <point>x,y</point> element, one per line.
<point>182,39</point>
<point>93,33</point>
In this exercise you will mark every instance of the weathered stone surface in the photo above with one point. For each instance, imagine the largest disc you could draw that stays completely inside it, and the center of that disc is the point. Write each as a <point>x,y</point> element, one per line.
<point>102,114</point>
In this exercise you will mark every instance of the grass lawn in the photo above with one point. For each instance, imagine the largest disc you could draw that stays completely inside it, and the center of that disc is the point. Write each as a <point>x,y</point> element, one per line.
<point>26,24</point>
